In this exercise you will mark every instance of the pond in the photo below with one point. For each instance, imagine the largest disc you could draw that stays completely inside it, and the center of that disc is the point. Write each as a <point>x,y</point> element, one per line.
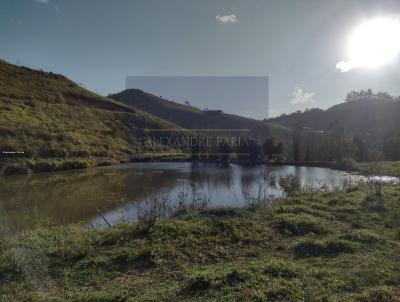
<point>121,192</point>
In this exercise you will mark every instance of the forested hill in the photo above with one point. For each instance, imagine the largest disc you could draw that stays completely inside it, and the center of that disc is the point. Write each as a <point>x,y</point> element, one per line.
<point>361,117</point>
<point>365,120</point>
<point>48,122</point>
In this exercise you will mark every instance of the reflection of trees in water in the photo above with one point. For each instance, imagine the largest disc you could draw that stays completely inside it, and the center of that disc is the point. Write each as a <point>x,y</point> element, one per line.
<point>213,177</point>
<point>256,186</point>
<point>71,197</point>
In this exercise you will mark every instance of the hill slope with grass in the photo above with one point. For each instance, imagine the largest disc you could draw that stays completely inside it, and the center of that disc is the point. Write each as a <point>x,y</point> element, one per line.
<point>48,122</point>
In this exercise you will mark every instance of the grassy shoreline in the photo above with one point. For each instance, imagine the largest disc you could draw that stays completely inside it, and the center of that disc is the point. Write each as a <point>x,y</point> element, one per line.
<point>26,166</point>
<point>379,168</point>
<point>338,246</point>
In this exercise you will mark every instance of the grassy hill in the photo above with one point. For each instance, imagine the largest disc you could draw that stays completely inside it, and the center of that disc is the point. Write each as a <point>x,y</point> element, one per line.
<point>48,122</point>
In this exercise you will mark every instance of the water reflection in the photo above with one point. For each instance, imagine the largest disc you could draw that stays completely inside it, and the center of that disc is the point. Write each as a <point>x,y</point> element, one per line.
<point>73,196</point>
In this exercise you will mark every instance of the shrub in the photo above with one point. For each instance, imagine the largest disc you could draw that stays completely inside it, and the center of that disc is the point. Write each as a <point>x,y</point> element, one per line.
<point>383,294</point>
<point>121,258</point>
<point>346,163</point>
<point>197,284</point>
<point>303,209</point>
<point>234,277</point>
<point>281,269</point>
<point>315,248</point>
<point>290,185</point>
<point>374,202</point>
<point>363,236</point>
<point>298,224</point>
<point>14,169</point>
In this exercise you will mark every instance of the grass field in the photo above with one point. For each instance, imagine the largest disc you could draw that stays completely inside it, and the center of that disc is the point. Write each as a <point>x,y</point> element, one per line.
<point>339,246</point>
<point>389,168</point>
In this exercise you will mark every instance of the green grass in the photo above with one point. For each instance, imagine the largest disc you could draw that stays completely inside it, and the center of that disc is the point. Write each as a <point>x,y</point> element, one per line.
<point>388,168</point>
<point>310,247</point>
<point>385,168</point>
<point>56,124</point>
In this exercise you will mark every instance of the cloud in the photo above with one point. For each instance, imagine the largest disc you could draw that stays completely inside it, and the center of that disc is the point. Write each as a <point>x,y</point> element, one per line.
<point>226,19</point>
<point>43,1</point>
<point>301,97</point>
<point>345,66</point>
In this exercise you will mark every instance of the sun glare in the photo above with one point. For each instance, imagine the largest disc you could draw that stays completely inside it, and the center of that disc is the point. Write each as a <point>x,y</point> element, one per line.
<point>374,43</point>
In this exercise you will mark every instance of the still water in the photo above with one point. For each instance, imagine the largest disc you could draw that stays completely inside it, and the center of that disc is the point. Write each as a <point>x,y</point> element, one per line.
<point>119,191</point>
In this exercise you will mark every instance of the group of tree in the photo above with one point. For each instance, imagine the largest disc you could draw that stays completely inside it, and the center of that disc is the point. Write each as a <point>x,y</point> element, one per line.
<point>363,131</point>
<point>338,144</point>
<point>391,145</point>
<point>365,95</point>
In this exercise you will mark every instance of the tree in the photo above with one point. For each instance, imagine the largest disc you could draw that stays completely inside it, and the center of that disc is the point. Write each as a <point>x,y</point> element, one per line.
<point>391,145</point>
<point>272,148</point>
<point>368,95</point>
<point>296,140</point>
<point>336,146</point>
<point>360,152</point>
<point>249,149</point>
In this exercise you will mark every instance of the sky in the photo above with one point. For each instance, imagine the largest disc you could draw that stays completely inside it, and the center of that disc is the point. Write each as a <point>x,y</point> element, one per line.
<point>295,43</point>
<point>210,92</point>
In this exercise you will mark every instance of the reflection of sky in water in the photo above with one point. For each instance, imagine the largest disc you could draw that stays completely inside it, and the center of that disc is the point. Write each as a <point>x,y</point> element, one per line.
<point>73,196</point>
<point>224,186</point>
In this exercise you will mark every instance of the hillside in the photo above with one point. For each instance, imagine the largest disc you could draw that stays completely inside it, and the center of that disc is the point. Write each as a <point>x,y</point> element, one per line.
<point>195,118</point>
<point>361,117</point>
<point>358,128</point>
<point>183,115</point>
<point>48,122</point>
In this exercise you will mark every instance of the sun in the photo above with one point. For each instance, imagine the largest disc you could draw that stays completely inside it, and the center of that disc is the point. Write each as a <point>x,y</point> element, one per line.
<point>373,44</point>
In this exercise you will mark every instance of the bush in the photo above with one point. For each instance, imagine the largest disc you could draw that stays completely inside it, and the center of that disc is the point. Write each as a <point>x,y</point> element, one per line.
<point>281,269</point>
<point>121,258</point>
<point>363,236</point>
<point>197,284</point>
<point>14,169</point>
<point>315,248</point>
<point>234,277</point>
<point>347,163</point>
<point>298,224</point>
<point>290,185</point>
<point>374,202</point>
<point>383,294</point>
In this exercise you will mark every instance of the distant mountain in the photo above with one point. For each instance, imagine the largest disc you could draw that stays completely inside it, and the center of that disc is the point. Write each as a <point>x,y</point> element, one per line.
<point>358,128</point>
<point>190,117</point>
<point>48,122</point>
<point>362,117</point>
